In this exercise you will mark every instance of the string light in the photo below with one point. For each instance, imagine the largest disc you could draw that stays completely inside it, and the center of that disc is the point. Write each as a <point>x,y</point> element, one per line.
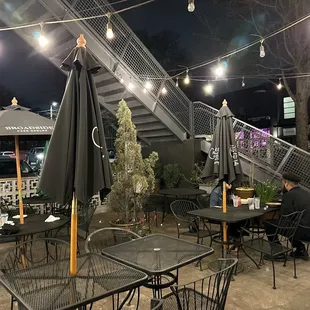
<point>122,80</point>
<point>131,86</point>
<point>208,89</point>
<point>42,39</point>
<point>279,86</point>
<point>148,85</point>
<point>177,82</point>
<point>164,90</point>
<point>187,79</point>
<point>191,6</point>
<point>219,70</point>
<point>110,33</point>
<point>262,49</point>
<point>243,83</point>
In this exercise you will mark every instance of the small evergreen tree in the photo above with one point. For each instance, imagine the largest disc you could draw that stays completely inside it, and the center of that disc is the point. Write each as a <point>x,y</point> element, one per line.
<point>134,178</point>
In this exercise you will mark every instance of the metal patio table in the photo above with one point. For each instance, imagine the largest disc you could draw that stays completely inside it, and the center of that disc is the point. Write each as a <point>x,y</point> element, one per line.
<point>179,193</point>
<point>50,286</point>
<point>233,215</point>
<point>158,255</point>
<point>35,224</point>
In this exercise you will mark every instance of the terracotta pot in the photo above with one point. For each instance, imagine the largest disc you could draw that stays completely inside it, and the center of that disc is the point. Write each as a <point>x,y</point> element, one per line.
<point>245,192</point>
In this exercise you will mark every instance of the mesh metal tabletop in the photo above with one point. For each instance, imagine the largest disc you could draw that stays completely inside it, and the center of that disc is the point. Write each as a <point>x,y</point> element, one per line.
<point>35,224</point>
<point>50,287</point>
<point>182,192</point>
<point>157,254</point>
<point>233,215</point>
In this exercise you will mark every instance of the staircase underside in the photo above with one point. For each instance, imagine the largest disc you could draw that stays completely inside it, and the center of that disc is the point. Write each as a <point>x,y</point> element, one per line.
<point>152,121</point>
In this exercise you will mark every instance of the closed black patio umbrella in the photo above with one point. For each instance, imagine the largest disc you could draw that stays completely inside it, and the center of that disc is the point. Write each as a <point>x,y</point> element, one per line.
<point>77,162</point>
<point>223,158</point>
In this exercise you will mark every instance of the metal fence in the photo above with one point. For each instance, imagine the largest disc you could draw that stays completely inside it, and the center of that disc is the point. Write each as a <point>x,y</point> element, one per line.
<point>128,49</point>
<point>266,152</point>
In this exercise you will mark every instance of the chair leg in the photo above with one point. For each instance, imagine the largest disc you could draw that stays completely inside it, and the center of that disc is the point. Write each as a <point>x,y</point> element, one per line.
<point>273,275</point>
<point>12,302</point>
<point>243,250</point>
<point>295,275</point>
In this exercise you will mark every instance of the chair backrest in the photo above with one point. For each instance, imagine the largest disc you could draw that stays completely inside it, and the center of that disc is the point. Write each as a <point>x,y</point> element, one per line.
<point>209,293</point>
<point>288,225</point>
<point>85,216</point>
<point>179,209</point>
<point>106,237</point>
<point>203,201</point>
<point>34,253</point>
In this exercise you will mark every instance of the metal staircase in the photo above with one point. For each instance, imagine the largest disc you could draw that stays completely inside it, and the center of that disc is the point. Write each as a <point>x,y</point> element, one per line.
<point>269,156</point>
<point>157,117</point>
<point>126,60</point>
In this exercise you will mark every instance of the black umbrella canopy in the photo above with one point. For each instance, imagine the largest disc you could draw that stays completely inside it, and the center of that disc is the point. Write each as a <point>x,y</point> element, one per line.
<point>223,158</point>
<point>16,120</point>
<point>77,160</point>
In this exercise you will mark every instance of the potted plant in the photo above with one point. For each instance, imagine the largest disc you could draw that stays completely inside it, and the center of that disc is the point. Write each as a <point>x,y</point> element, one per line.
<point>195,179</point>
<point>171,175</point>
<point>134,178</point>
<point>266,191</point>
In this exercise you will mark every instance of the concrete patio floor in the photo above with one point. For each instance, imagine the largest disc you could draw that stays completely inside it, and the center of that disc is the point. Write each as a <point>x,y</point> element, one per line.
<point>252,289</point>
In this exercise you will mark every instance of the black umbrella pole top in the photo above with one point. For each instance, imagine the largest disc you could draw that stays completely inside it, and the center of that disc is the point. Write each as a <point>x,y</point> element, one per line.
<point>224,103</point>
<point>81,42</point>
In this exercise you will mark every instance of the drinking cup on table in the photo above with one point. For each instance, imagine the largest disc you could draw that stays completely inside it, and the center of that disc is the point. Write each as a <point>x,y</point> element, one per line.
<point>257,203</point>
<point>235,202</point>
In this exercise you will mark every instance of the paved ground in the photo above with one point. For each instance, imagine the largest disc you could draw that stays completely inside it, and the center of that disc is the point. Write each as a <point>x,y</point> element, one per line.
<point>252,289</point>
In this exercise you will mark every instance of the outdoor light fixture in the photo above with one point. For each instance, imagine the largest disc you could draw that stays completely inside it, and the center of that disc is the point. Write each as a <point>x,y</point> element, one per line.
<point>42,39</point>
<point>186,80</point>
<point>243,83</point>
<point>262,49</point>
<point>164,90</point>
<point>131,86</point>
<point>219,70</point>
<point>177,82</point>
<point>109,34</point>
<point>53,105</point>
<point>279,86</point>
<point>121,79</point>
<point>148,85</point>
<point>191,6</point>
<point>208,89</point>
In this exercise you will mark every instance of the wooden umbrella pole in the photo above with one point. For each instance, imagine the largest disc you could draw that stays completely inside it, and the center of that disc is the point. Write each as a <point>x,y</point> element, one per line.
<point>224,223</point>
<point>19,181</point>
<point>73,237</point>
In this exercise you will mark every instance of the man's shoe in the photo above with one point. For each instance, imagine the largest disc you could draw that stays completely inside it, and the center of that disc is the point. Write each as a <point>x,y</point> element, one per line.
<point>279,258</point>
<point>300,254</point>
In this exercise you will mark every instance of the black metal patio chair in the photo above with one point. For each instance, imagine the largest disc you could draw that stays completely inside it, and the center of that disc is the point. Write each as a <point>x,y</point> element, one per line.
<point>278,245</point>
<point>106,237</point>
<point>188,225</point>
<point>209,293</point>
<point>33,253</point>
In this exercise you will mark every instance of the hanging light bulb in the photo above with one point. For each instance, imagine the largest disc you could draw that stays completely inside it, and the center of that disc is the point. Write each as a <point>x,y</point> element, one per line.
<point>243,83</point>
<point>177,82</point>
<point>208,89</point>
<point>191,6</point>
<point>122,80</point>
<point>279,86</point>
<point>148,85</point>
<point>262,49</point>
<point>164,90</point>
<point>145,90</point>
<point>186,80</point>
<point>109,34</point>
<point>219,70</point>
<point>42,39</point>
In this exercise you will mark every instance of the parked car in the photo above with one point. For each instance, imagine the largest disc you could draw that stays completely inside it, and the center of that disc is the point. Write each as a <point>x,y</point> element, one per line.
<point>35,157</point>
<point>8,168</point>
<point>8,154</point>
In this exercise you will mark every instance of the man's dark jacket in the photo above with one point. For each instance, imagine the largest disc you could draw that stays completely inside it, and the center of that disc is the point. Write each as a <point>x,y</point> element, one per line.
<point>297,200</point>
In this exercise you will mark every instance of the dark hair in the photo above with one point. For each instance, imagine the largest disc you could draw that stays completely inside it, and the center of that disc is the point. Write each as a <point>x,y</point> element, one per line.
<point>291,177</point>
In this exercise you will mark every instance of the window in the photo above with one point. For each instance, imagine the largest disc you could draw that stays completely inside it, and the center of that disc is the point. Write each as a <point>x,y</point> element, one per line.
<point>288,108</point>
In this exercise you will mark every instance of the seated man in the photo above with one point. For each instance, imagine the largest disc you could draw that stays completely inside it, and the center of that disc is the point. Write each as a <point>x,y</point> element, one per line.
<point>216,196</point>
<point>294,199</point>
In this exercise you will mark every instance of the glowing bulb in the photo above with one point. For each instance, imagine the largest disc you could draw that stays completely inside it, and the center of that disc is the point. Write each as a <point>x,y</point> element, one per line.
<point>191,6</point>
<point>177,82</point>
<point>122,80</point>
<point>262,50</point>
<point>148,85</point>
<point>109,34</point>
<point>131,86</point>
<point>219,71</point>
<point>243,83</point>
<point>279,86</point>
<point>42,40</point>
<point>208,89</point>
<point>145,90</point>
<point>186,80</point>
<point>164,91</point>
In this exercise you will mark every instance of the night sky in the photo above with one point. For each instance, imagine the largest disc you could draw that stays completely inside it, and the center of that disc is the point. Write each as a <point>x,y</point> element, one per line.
<point>30,76</point>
